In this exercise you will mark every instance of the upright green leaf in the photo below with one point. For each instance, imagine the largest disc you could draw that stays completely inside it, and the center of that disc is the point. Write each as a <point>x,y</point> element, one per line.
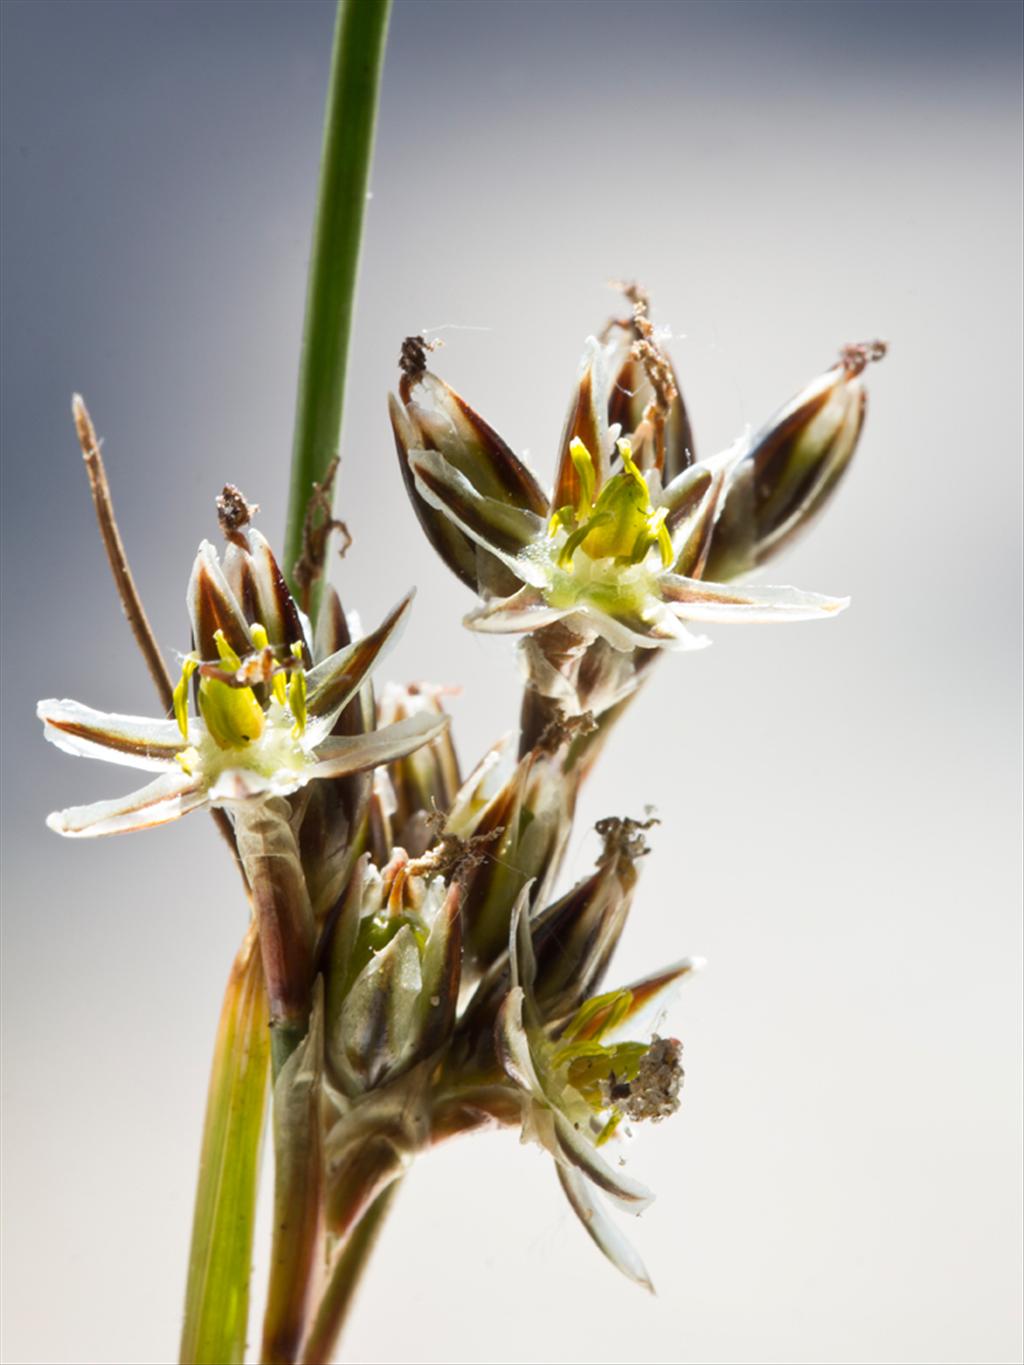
<point>220,1261</point>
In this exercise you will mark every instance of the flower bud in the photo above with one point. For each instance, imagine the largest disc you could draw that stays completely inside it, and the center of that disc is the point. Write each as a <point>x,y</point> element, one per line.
<point>572,940</point>
<point>393,978</point>
<point>371,1140</point>
<point>792,467</point>
<point>333,815</point>
<point>645,399</point>
<point>518,838</point>
<point>430,416</point>
<point>254,575</point>
<point>423,786</point>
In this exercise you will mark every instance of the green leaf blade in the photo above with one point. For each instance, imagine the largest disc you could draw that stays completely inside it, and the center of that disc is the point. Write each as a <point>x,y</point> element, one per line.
<point>220,1260</point>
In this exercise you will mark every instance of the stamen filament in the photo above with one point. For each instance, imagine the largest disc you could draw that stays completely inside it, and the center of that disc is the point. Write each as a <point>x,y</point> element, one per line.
<point>579,536</point>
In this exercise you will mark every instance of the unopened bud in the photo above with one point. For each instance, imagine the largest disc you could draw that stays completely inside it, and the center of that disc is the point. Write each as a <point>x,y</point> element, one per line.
<point>429,415</point>
<point>794,463</point>
<point>522,833</point>
<point>424,784</point>
<point>574,939</point>
<point>393,977</point>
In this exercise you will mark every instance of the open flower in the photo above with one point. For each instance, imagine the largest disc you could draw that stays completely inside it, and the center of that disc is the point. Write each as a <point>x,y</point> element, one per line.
<point>615,552</point>
<point>265,708</point>
<point>580,1080</point>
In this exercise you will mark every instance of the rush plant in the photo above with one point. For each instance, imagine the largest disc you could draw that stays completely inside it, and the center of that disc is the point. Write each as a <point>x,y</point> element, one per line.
<point>411,972</point>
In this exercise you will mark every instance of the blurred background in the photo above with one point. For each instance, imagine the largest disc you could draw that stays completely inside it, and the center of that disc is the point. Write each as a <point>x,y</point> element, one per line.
<point>840,802</point>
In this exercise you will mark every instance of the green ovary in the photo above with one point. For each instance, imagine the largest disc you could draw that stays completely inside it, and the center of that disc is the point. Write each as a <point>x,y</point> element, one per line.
<point>619,526</point>
<point>239,730</point>
<point>234,718</point>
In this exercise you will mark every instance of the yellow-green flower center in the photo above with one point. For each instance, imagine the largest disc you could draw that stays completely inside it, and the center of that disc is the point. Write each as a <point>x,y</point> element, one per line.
<point>617,523</point>
<point>592,1069</point>
<point>234,716</point>
<point>599,547</point>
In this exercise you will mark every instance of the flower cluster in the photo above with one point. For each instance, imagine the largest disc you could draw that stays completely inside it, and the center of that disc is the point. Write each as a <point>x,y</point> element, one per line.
<point>424,977</point>
<point>638,540</point>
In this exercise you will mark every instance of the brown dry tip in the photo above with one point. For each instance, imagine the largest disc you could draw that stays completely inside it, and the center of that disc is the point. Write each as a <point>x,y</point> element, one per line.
<point>317,528</point>
<point>83,425</point>
<point>234,513</point>
<point>859,354</point>
<point>563,729</point>
<point>413,358</point>
<point>623,837</point>
<point>635,294</point>
<point>648,353</point>
<point>453,858</point>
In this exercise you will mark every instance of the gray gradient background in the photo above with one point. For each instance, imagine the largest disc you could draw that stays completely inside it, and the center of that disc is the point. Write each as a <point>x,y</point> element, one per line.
<point>840,801</point>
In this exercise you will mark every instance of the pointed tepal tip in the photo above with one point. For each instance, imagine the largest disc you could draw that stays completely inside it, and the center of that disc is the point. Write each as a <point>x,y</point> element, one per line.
<point>84,428</point>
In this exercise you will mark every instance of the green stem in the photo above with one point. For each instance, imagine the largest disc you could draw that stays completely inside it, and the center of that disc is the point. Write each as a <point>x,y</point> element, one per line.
<point>220,1261</point>
<point>344,1281</point>
<point>356,63</point>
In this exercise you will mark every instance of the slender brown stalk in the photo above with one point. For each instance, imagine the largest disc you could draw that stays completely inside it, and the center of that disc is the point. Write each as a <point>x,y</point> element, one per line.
<point>124,580</point>
<point>344,1281</point>
<point>273,865</point>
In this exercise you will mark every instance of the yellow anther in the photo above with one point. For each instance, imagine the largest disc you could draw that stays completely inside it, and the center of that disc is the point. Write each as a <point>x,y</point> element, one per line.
<point>297,691</point>
<point>279,685</point>
<point>228,657</point>
<point>583,463</point>
<point>668,552</point>
<point>259,636</point>
<point>180,695</point>
<point>654,533</point>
